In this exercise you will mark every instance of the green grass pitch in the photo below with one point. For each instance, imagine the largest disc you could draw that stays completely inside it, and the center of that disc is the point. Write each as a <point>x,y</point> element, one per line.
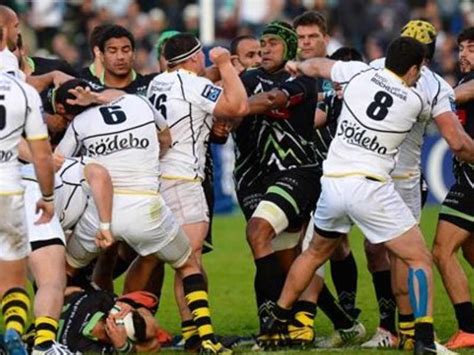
<point>230,271</point>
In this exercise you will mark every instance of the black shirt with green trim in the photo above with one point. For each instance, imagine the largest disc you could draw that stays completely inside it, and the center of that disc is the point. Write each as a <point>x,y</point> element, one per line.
<point>464,172</point>
<point>138,86</point>
<point>281,139</point>
<point>81,313</point>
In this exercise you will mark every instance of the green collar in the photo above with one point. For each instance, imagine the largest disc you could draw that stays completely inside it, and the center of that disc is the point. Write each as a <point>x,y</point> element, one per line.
<point>31,63</point>
<point>102,77</point>
<point>87,331</point>
<point>92,69</point>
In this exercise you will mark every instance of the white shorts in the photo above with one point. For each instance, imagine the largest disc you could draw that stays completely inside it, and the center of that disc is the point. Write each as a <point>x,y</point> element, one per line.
<point>186,200</point>
<point>42,234</point>
<point>14,243</point>
<point>375,207</point>
<point>143,221</point>
<point>410,192</point>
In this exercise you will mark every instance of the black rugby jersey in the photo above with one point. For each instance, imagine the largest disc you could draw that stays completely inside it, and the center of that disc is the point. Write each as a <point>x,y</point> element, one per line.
<point>81,312</point>
<point>284,138</point>
<point>464,172</point>
<point>138,86</point>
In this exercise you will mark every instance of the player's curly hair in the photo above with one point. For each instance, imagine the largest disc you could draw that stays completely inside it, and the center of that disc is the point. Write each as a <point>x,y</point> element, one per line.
<point>61,94</point>
<point>466,34</point>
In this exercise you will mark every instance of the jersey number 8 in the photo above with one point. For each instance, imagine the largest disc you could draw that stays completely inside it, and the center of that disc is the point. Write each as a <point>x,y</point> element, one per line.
<point>378,109</point>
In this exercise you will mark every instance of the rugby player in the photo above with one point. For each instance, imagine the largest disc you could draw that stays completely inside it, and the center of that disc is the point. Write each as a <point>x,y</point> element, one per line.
<point>188,102</point>
<point>20,110</point>
<point>118,135</point>
<point>456,217</point>
<point>276,163</point>
<point>408,180</point>
<point>357,172</point>
<point>246,52</point>
<point>116,52</point>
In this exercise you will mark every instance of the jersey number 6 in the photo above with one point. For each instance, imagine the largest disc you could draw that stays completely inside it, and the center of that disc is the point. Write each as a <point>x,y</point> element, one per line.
<point>378,109</point>
<point>112,114</point>
<point>159,102</point>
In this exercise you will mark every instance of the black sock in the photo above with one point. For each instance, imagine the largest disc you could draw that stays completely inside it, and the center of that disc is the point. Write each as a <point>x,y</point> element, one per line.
<point>424,332</point>
<point>344,276</point>
<point>385,299</point>
<point>327,303</point>
<point>269,281</point>
<point>465,316</point>
<point>304,313</point>
<point>120,267</point>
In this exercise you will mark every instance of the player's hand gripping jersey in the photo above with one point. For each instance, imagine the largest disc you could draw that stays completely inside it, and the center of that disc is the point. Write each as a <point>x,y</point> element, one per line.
<point>187,102</point>
<point>378,112</point>
<point>122,136</point>
<point>20,109</point>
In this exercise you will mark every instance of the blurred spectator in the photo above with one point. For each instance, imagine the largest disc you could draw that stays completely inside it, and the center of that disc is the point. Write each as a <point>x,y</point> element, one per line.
<point>46,17</point>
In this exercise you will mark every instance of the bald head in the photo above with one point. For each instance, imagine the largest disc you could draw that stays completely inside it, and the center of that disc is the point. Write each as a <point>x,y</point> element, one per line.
<point>9,25</point>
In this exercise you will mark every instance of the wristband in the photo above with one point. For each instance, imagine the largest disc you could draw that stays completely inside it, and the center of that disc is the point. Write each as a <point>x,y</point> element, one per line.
<point>126,348</point>
<point>104,226</point>
<point>48,198</point>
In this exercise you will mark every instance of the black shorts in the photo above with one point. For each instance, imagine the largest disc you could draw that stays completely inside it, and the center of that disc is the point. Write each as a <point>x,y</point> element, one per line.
<point>294,191</point>
<point>458,207</point>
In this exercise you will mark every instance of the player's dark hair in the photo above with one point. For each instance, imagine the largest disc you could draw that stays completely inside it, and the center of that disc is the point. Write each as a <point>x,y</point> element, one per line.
<point>466,34</point>
<point>62,94</point>
<point>235,42</point>
<point>179,47</point>
<point>95,36</point>
<point>140,326</point>
<point>114,31</point>
<point>311,18</point>
<point>347,54</point>
<point>403,53</point>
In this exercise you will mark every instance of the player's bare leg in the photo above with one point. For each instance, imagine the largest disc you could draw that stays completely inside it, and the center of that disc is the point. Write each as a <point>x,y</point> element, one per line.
<point>449,238</point>
<point>48,267</point>
<point>410,247</point>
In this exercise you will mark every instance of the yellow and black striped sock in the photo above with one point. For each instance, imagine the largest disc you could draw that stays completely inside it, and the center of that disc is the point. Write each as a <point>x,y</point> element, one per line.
<point>197,301</point>
<point>15,307</point>
<point>46,330</point>
<point>406,324</point>
<point>190,334</point>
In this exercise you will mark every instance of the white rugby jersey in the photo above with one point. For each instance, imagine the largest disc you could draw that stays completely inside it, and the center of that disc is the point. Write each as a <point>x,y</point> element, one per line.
<point>439,98</point>
<point>20,110</point>
<point>187,101</point>
<point>378,112</point>
<point>122,136</point>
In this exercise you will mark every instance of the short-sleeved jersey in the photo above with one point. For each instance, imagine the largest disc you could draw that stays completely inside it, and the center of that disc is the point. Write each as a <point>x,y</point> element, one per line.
<point>20,110</point>
<point>464,172</point>
<point>122,136</point>
<point>439,98</point>
<point>378,112</point>
<point>285,138</point>
<point>187,101</point>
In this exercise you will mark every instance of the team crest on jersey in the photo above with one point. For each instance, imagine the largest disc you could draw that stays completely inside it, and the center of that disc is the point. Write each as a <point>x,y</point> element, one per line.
<point>211,92</point>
